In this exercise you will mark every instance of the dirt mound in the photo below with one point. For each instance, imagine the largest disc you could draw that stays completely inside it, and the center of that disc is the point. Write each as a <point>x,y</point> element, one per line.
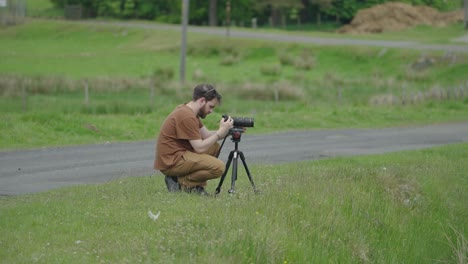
<point>394,16</point>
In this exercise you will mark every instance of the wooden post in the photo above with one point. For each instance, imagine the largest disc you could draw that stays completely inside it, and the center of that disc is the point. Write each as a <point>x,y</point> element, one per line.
<point>24,95</point>
<point>86,92</point>
<point>152,84</point>
<point>403,94</point>
<point>339,95</point>
<point>276,93</point>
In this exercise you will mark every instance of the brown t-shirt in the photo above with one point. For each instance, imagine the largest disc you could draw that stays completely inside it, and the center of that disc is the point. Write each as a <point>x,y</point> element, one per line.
<point>179,127</point>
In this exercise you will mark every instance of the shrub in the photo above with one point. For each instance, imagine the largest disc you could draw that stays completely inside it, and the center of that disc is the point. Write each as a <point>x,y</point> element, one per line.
<point>287,59</point>
<point>270,69</point>
<point>229,60</point>
<point>163,74</point>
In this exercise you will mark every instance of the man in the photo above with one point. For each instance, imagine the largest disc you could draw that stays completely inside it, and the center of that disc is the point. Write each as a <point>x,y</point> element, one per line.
<point>186,150</point>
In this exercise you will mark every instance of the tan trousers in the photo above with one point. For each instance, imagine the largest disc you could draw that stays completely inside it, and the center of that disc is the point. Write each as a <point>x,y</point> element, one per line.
<point>195,169</point>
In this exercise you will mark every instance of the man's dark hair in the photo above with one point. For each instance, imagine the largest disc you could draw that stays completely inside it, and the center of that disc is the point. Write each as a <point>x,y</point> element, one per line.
<point>207,91</point>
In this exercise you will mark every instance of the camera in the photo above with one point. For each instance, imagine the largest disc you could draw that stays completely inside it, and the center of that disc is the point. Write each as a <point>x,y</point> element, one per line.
<point>241,121</point>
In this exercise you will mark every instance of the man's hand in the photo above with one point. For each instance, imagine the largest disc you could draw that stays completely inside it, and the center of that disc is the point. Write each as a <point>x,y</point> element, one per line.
<point>225,126</point>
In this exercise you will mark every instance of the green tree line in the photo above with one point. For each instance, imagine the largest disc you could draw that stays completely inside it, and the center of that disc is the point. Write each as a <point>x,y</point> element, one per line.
<point>240,12</point>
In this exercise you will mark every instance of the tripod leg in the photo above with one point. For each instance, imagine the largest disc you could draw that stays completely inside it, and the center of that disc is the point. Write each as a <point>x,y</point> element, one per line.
<point>218,189</point>
<point>241,154</point>
<point>234,172</point>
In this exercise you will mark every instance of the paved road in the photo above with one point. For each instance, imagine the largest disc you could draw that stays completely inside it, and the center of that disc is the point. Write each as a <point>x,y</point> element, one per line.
<point>29,171</point>
<point>294,37</point>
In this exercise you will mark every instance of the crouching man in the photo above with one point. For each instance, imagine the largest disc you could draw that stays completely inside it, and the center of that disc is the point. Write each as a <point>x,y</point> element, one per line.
<point>186,151</point>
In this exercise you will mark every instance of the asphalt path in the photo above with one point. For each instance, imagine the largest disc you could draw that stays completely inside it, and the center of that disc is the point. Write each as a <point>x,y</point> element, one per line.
<point>30,171</point>
<point>292,37</point>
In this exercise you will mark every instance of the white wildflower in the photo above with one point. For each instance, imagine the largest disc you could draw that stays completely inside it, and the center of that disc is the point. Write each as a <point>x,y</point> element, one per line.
<point>153,216</point>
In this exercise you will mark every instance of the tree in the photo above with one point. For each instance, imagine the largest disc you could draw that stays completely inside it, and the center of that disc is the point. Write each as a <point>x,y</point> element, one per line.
<point>278,9</point>
<point>345,10</point>
<point>203,12</point>
<point>320,6</point>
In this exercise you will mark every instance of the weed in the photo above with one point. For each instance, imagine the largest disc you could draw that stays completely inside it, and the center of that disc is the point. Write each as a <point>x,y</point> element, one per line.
<point>459,246</point>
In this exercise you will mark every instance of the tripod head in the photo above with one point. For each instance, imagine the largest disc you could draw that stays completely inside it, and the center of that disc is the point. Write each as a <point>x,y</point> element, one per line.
<point>236,133</point>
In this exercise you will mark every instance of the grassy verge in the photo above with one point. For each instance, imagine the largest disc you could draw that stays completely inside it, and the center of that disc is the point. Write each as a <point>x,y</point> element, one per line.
<point>39,129</point>
<point>401,207</point>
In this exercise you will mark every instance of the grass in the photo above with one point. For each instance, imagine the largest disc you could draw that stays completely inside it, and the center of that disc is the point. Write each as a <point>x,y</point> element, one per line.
<point>400,207</point>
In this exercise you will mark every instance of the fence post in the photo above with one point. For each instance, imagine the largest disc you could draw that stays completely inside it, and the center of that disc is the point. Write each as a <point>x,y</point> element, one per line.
<point>403,94</point>
<point>338,94</point>
<point>152,84</point>
<point>24,95</point>
<point>276,93</point>
<point>86,92</point>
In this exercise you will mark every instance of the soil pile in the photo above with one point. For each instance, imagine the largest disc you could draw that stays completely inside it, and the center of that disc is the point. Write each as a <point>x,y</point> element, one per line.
<point>394,16</point>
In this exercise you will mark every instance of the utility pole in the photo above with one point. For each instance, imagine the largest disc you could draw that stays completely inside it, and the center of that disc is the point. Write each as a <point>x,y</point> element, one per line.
<point>466,14</point>
<point>213,13</point>
<point>228,17</point>
<point>183,45</point>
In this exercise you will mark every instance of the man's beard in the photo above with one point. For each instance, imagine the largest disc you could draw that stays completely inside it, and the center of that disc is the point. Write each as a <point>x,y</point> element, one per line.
<point>201,114</point>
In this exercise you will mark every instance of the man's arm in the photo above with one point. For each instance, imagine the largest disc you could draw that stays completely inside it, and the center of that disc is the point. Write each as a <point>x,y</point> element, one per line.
<point>205,133</point>
<point>210,137</point>
<point>203,145</point>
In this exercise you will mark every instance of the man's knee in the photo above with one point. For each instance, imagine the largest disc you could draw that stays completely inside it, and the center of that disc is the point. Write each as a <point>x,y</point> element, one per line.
<point>213,150</point>
<point>218,168</point>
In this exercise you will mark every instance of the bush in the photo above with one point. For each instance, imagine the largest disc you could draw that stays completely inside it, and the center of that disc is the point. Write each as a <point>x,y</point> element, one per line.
<point>270,69</point>
<point>163,74</point>
<point>286,59</point>
<point>229,60</point>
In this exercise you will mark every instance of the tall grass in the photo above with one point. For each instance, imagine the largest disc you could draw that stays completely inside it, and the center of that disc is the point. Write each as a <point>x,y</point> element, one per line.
<point>54,120</point>
<point>401,207</point>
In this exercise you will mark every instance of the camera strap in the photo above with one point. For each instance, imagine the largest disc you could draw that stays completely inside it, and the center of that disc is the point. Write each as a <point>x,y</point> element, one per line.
<point>219,150</point>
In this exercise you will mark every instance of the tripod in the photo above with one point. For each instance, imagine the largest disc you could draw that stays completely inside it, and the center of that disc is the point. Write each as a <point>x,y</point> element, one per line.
<point>234,157</point>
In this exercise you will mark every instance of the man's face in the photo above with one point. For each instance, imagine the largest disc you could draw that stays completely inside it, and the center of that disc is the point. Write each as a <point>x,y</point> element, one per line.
<point>207,107</point>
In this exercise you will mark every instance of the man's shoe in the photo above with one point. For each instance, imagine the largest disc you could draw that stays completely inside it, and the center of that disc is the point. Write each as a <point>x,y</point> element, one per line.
<point>172,184</point>
<point>201,191</point>
<point>198,190</point>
